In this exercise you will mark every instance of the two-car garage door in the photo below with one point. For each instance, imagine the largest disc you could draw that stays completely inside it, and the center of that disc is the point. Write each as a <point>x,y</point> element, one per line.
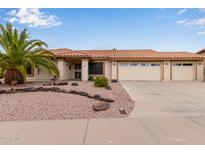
<point>139,71</point>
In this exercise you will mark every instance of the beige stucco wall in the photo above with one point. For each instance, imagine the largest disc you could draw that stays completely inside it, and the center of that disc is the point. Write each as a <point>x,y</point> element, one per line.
<point>114,70</point>
<point>200,70</point>
<point>41,75</point>
<point>107,69</point>
<point>167,71</point>
<point>64,72</point>
<point>84,69</point>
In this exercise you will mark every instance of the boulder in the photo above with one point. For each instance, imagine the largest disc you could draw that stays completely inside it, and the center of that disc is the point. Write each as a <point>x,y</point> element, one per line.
<point>47,84</point>
<point>53,89</point>
<point>101,106</point>
<point>2,91</point>
<point>73,92</point>
<point>61,91</point>
<point>108,88</point>
<point>24,89</point>
<point>9,91</point>
<point>96,96</point>
<point>60,83</point>
<point>82,93</point>
<point>32,89</point>
<point>39,88</point>
<point>44,89</point>
<point>106,100</point>
<point>74,84</point>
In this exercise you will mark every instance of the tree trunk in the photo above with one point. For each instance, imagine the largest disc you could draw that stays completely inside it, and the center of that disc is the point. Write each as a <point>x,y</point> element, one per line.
<point>13,75</point>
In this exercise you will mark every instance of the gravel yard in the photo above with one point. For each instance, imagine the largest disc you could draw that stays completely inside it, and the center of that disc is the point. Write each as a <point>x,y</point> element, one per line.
<point>51,105</point>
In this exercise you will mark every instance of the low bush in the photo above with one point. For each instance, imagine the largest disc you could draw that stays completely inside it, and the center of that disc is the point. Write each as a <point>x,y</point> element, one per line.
<point>101,81</point>
<point>91,78</point>
<point>1,74</point>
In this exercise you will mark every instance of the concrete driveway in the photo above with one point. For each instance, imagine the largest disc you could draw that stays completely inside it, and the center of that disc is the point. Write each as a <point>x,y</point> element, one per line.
<point>173,112</point>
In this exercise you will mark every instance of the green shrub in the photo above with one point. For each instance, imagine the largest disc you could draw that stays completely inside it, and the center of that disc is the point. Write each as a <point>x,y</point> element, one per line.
<point>1,74</point>
<point>101,81</point>
<point>91,78</point>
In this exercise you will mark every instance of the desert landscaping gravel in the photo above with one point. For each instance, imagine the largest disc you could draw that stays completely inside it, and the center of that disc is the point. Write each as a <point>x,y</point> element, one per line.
<point>53,106</point>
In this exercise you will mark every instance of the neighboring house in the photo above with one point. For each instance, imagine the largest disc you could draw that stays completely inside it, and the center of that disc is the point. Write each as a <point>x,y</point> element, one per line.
<point>125,65</point>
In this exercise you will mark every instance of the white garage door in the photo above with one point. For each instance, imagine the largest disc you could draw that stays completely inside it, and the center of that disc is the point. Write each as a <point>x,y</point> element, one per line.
<point>139,71</point>
<point>182,71</point>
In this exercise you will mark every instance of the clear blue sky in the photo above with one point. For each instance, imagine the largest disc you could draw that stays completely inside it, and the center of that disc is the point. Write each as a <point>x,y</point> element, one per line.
<point>159,29</point>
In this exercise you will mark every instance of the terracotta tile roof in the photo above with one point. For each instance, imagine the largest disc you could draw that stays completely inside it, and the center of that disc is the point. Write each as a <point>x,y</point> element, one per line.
<point>146,54</point>
<point>202,51</point>
<point>63,52</point>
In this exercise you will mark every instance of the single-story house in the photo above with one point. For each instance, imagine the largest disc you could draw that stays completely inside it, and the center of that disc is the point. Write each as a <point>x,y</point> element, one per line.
<point>114,64</point>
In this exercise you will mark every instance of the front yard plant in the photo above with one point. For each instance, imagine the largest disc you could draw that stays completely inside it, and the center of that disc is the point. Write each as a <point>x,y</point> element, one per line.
<point>101,81</point>
<point>20,52</point>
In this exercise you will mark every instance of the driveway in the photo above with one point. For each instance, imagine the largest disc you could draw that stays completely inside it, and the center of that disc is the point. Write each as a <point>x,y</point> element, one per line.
<point>167,99</point>
<point>173,112</point>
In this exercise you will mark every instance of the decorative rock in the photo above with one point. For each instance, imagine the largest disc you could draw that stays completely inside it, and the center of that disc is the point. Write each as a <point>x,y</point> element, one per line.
<point>2,91</point>
<point>10,91</point>
<point>74,84</point>
<point>106,100</point>
<point>24,89</point>
<point>47,84</point>
<point>39,88</point>
<point>122,111</point>
<point>82,93</point>
<point>114,80</point>
<point>54,89</point>
<point>60,83</point>
<point>101,106</point>
<point>96,96</point>
<point>73,92</point>
<point>108,88</point>
<point>44,89</point>
<point>61,91</point>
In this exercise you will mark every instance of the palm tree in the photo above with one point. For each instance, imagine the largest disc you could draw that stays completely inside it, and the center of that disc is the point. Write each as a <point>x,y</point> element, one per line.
<point>20,52</point>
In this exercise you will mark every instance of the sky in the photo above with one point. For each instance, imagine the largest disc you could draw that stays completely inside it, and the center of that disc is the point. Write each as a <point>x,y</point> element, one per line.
<point>158,29</point>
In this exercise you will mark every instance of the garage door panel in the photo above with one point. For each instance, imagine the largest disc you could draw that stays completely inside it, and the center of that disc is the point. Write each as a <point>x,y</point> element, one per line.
<point>136,71</point>
<point>182,71</point>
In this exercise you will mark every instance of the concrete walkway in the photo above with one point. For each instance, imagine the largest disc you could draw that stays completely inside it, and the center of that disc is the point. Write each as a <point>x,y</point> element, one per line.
<point>106,131</point>
<point>165,113</point>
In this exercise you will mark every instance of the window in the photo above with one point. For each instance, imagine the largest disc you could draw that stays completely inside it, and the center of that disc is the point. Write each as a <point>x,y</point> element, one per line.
<point>177,64</point>
<point>155,64</point>
<point>187,64</point>
<point>124,64</point>
<point>134,64</point>
<point>77,66</point>
<point>77,75</point>
<point>95,68</point>
<point>145,64</point>
<point>29,71</point>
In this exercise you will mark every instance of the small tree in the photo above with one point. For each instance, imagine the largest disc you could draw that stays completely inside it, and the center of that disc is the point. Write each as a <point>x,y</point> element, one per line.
<point>19,52</point>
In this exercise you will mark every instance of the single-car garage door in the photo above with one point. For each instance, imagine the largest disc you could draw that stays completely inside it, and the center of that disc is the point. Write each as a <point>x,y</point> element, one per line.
<point>139,71</point>
<point>182,71</point>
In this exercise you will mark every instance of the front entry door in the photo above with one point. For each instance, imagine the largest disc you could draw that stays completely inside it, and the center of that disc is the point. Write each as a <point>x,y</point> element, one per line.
<point>77,75</point>
<point>78,71</point>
